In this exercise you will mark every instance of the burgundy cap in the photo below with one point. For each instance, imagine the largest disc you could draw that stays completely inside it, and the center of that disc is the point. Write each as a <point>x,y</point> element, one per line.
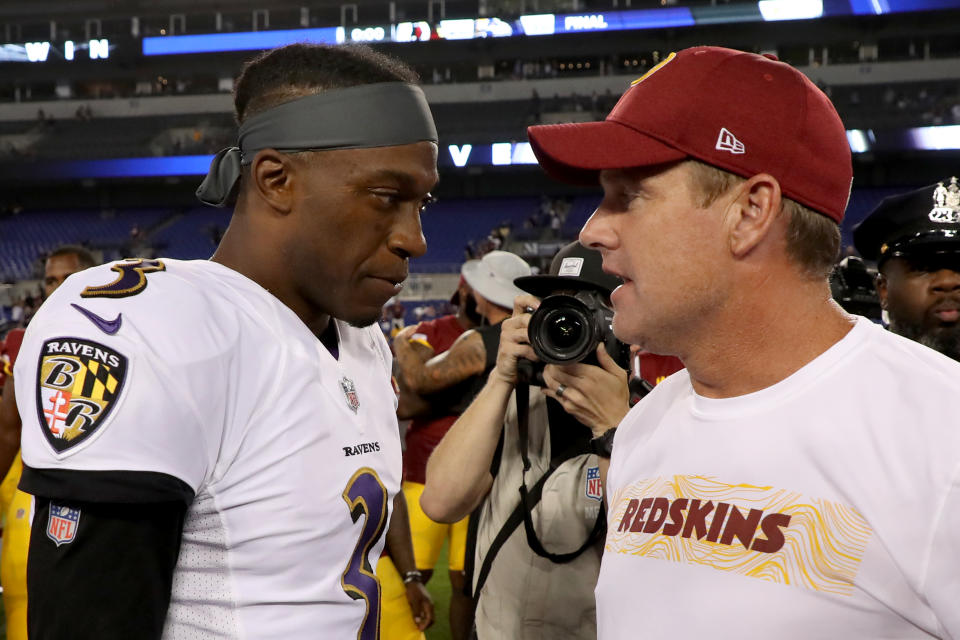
<point>737,111</point>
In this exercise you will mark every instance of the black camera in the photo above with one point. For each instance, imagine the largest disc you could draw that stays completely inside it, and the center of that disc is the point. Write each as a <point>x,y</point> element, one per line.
<point>566,329</point>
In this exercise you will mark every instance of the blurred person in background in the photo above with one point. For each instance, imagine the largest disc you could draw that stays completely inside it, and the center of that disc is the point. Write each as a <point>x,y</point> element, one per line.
<point>443,384</point>
<point>15,505</point>
<point>430,420</point>
<point>473,353</point>
<point>406,606</point>
<point>441,367</point>
<point>915,239</point>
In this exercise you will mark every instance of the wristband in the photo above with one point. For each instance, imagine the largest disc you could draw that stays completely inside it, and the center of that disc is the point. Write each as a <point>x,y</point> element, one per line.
<point>602,445</point>
<point>412,576</point>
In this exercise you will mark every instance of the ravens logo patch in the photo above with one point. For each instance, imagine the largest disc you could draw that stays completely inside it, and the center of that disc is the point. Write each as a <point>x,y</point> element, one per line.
<point>78,383</point>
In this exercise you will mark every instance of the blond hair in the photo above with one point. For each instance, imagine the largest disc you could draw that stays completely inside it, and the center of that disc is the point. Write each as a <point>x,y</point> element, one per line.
<point>813,239</point>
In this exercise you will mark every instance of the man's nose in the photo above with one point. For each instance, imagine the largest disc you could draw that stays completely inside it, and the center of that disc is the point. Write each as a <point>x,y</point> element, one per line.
<point>598,233</point>
<point>406,240</point>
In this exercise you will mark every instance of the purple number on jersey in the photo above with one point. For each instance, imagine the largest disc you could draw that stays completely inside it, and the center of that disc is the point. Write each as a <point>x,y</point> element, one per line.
<point>366,496</point>
<point>131,281</point>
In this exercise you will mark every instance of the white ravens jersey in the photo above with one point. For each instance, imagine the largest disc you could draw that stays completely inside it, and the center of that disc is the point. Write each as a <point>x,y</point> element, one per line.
<point>192,375</point>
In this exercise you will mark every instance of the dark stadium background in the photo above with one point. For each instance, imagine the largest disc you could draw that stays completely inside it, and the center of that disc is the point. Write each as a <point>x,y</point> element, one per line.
<point>103,135</point>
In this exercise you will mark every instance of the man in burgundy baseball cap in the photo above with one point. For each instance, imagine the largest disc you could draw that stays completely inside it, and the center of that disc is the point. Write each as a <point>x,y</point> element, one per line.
<point>774,480</point>
<point>737,111</point>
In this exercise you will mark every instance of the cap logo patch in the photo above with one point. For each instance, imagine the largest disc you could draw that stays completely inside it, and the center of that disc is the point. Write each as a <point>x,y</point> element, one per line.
<point>571,267</point>
<point>78,384</point>
<point>946,203</point>
<point>726,141</point>
<point>652,71</point>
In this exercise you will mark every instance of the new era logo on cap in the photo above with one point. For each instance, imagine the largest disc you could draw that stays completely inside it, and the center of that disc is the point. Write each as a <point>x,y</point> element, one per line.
<point>726,141</point>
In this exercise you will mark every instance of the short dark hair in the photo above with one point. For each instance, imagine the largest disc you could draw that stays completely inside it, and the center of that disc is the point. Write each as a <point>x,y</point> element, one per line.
<point>297,70</point>
<point>84,258</point>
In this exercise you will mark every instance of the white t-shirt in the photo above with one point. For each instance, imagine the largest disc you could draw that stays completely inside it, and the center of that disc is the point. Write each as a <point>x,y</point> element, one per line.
<point>195,374</point>
<point>824,506</point>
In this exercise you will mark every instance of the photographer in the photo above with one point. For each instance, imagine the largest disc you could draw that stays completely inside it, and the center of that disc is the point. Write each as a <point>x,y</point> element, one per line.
<point>534,579</point>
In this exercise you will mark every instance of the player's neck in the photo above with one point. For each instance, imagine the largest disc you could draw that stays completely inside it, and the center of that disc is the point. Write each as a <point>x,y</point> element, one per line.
<point>252,261</point>
<point>764,340</point>
<point>330,338</point>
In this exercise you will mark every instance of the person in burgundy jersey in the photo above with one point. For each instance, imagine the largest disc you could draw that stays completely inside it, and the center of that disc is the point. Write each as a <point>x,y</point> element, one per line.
<point>647,370</point>
<point>8,354</point>
<point>655,368</point>
<point>432,415</point>
<point>430,420</point>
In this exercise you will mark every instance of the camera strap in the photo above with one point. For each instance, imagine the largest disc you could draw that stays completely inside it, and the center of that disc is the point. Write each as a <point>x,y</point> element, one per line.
<point>527,499</point>
<point>509,526</point>
<point>530,498</point>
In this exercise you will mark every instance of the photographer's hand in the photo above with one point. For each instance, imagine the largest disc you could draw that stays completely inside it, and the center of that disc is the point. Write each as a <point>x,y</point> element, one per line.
<point>514,343</point>
<point>596,396</point>
<point>458,471</point>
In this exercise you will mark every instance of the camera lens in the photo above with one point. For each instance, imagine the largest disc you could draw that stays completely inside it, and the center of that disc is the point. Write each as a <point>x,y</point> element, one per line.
<point>564,330</point>
<point>561,331</point>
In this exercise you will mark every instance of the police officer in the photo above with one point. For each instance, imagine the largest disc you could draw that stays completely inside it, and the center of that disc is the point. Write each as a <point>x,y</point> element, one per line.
<point>915,239</point>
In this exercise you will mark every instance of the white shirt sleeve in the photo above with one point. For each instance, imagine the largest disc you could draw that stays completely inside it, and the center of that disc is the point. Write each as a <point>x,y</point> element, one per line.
<point>941,585</point>
<point>149,397</point>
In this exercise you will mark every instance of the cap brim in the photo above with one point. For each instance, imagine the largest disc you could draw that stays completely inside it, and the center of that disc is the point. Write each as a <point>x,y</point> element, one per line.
<point>544,285</point>
<point>928,244</point>
<point>576,152</point>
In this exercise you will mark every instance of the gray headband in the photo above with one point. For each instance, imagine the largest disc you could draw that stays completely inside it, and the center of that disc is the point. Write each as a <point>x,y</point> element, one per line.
<point>384,114</point>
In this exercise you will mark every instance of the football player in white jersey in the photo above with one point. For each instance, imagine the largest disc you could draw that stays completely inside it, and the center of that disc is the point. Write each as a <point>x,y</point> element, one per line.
<point>212,444</point>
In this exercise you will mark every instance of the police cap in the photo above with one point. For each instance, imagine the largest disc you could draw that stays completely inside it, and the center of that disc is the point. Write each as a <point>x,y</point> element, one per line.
<point>921,222</point>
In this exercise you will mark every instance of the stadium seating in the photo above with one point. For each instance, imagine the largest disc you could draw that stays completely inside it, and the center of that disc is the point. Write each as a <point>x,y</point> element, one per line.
<point>449,226</point>
<point>25,238</point>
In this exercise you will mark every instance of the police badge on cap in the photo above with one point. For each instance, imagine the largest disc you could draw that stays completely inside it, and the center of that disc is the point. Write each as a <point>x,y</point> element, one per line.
<point>925,221</point>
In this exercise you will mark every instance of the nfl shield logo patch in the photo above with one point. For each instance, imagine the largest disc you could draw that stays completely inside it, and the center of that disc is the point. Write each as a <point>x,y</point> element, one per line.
<point>62,524</point>
<point>350,393</point>
<point>594,488</point>
<point>78,383</point>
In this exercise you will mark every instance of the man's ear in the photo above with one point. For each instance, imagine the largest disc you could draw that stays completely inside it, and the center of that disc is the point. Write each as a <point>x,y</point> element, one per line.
<point>881,284</point>
<point>753,212</point>
<point>273,175</point>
